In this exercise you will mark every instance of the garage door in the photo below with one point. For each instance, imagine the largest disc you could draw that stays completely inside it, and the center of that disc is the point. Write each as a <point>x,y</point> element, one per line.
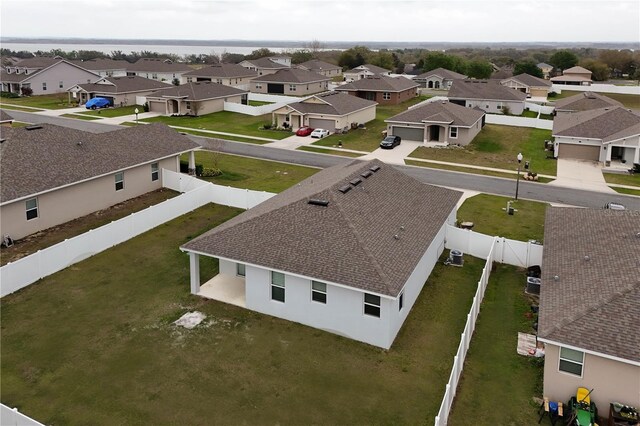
<point>160,107</point>
<point>275,88</point>
<point>318,123</point>
<point>408,133</point>
<point>539,93</point>
<point>579,152</point>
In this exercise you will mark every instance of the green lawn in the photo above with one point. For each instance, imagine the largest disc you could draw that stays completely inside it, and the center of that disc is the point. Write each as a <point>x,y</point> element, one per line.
<point>368,139</point>
<point>53,101</point>
<point>329,151</point>
<point>259,103</point>
<point>19,124</point>
<point>630,101</point>
<point>497,146</point>
<point>533,114</point>
<point>622,179</point>
<point>80,117</point>
<point>635,192</point>
<point>497,384</point>
<point>469,170</point>
<point>95,344</point>
<point>115,112</point>
<point>226,121</point>
<point>18,108</point>
<point>251,173</point>
<point>485,211</point>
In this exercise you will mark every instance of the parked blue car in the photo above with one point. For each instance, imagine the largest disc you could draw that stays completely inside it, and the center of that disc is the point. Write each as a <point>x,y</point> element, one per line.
<point>98,103</point>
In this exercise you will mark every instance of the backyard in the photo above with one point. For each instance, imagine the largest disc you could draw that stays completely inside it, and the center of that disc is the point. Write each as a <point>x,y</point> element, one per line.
<point>497,146</point>
<point>53,101</point>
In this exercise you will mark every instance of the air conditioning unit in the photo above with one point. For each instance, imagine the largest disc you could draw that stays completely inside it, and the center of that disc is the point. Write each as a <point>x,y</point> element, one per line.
<point>533,285</point>
<point>455,258</point>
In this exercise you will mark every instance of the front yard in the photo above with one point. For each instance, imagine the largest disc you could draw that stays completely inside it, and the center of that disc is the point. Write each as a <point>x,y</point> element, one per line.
<point>95,344</point>
<point>497,146</point>
<point>53,101</point>
<point>115,112</point>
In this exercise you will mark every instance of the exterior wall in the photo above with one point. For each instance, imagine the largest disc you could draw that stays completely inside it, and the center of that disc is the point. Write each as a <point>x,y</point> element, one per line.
<point>69,203</point>
<point>611,380</point>
<point>226,81</point>
<point>120,99</point>
<point>302,89</point>
<point>395,97</point>
<point>112,73</point>
<point>359,117</point>
<point>495,107</point>
<point>212,105</point>
<point>61,72</point>
<point>465,135</point>
<point>160,76</point>
<point>579,141</point>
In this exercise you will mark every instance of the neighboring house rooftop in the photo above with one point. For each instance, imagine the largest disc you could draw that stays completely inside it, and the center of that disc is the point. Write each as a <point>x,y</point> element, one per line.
<point>441,72</point>
<point>484,90</point>
<point>38,62</point>
<point>380,83</point>
<point>48,157</point>
<point>529,80</point>
<point>5,117</point>
<point>265,63</point>
<point>441,111</point>
<point>594,303</point>
<point>585,101</point>
<point>158,65</point>
<point>316,65</point>
<point>124,84</point>
<point>13,77</point>
<point>222,71</point>
<point>370,237</point>
<point>607,124</point>
<point>292,75</point>
<point>577,70</point>
<point>100,64</point>
<point>543,65</point>
<point>372,68</point>
<point>332,103</point>
<point>199,91</point>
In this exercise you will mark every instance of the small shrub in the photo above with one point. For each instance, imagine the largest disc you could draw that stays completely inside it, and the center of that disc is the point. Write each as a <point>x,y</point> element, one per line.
<point>199,169</point>
<point>552,95</point>
<point>184,168</point>
<point>10,94</point>
<point>266,126</point>
<point>506,110</point>
<point>145,107</point>
<point>210,172</point>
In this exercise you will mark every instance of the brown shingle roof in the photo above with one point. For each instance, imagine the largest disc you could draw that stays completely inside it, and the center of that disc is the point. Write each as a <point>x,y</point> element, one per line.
<point>529,80</point>
<point>37,62</point>
<point>33,161</point>
<point>222,71</point>
<point>576,70</point>
<point>484,90</point>
<point>595,302</point>
<point>333,104</point>
<point>351,240</point>
<point>380,83</point>
<point>102,64</point>
<point>157,65</point>
<point>199,91</point>
<point>266,63</point>
<point>585,101</point>
<point>441,72</point>
<point>439,111</point>
<point>316,65</point>
<point>606,123</point>
<point>292,75</point>
<point>13,77</point>
<point>128,84</point>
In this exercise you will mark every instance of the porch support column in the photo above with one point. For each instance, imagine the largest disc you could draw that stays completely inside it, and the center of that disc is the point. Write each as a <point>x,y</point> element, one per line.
<point>636,156</point>
<point>194,266</point>
<point>192,162</point>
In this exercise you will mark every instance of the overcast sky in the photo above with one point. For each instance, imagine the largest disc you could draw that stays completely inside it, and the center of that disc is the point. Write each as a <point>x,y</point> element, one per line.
<point>352,20</point>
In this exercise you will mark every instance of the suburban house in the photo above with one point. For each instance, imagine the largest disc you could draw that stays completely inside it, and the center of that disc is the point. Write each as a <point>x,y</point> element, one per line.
<point>439,78</point>
<point>488,95</point>
<point>437,123</point>
<point>546,69</point>
<point>364,71</point>
<point>158,69</point>
<point>535,87</point>
<point>347,251</point>
<point>73,173</point>
<point>44,76</point>
<point>382,89</point>
<point>290,81</point>
<point>328,111</point>
<point>265,66</point>
<point>584,101</point>
<point>321,67</point>
<point>576,76</point>
<point>590,305</point>
<point>607,135</point>
<point>5,119</point>
<point>105,67</point>
<point>119,90</point>
<point>196,99</point>
<point>226,74</point>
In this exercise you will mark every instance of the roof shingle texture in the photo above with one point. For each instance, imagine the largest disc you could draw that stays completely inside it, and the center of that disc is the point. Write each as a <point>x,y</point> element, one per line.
<point>317,65</point>
<point>336,104</point>
<point>484,90</point>
<point>445,111</point>
<point>351,241</point>
<point>606,123</point>
<point>380,83</point>
<point>33,161</point>
<point>100,64</point>
<point>595,302</point>
<point>37,62</point>
<point>157,65</point>
<point>292,75</point>
<point>198,91</point>
<point>222,71</point>
<point>266,63</point>
<point>441,72</point>
<point>585,101</point>
<point>130,83</point>
<point>372,68</point>
<point>530,80</point>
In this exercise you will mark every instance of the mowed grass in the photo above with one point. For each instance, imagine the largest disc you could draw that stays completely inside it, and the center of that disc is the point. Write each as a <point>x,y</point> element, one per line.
<point>53,101</point>
<point>225,121</point>
<point>485,211</point>
<point>497,384</point>
<point>623,179</point>
<point>630,101</point>
<point>368,139</point>
<point>498,146</point>
<point>4,105</point>
<point>95,344</point>
<point>466,169</point>
<point>80,117</point>
<point>115,112</point>
<point>251,173</point>
<point>329,151</point>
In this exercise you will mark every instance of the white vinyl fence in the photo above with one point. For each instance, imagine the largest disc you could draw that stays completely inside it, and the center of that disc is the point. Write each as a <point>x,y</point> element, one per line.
<point>598,87</point>
<point>538,108</point>
<point>278,102</point>
<point>196,193</point>
<point>510,120</point>
<point>12,417</point>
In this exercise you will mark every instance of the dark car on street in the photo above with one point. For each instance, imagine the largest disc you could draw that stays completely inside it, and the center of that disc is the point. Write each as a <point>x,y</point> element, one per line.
<point>390,142</point>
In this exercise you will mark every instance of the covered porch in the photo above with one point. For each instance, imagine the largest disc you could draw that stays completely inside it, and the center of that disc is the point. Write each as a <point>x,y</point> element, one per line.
<point>225,287</point>
<point>288,119</point>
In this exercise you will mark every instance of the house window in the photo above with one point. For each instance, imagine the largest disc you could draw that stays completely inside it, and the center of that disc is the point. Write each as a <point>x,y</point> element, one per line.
<point>189,79</point>
<point>154,171</point>
<point>154,76</point>
<point>401,301</point>
<point>372,305</point>
<point>292,87</point>
<point>188,105</point>
<point>386,96</point>
<point>219,81</point>
<point>32,208</point>
<point>258,86</point>
<point>453,132</point>
<point>241,270</point>
<point>119,181</point>
<point>44,86</point>
<point>61,84</point>
<point>277,286</point>
<point>571,361</point>
<point>318,292</point>
<point>499,106</point>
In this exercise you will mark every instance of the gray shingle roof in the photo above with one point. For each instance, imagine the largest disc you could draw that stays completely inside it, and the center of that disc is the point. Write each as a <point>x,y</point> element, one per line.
<point>266,63</point>
<point>222,71</point>
<point>132,83</point>
<point>13,77</point>
<point>484,90</point>
<point>292,75</point>
<point>102,64</point>
<point>351,240</point>
<point>380,83</point>
<point>529,80</point>
<point>157,65</point>
<point>594,304</point>
<point>33,161</point>
<point>544,65</point>
<point>316,65</point>
<point>585,101</point>
<point>333,104</point>
<point>606,123</point>
<point>441,72</point>
<point>373,68</point>
<point>37,62</point>
<point>457,115</point>
<point>576,70</point>
<point>199,91</point>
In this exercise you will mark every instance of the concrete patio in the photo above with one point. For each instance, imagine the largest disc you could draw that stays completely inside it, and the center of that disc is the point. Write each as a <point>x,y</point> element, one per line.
<point>225,288</point>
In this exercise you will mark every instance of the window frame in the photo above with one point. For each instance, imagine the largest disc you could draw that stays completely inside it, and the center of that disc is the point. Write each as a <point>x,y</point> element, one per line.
<point>371,304</point>
<point>292,87</point>
<point>322,294</point>
<point>121,181</point>
<point>386,96</point>
<point>155,172</point>
<point>44,86</point>
<point>401,302</point>
<point>61,85</point>
<point>451,135</point>
<point>571,361</point>
<point>277,286</point>
<point>36,209</point>
<point>240,266</point>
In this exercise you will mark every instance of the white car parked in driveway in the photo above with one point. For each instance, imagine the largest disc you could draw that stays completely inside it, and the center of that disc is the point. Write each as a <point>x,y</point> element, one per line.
<point>319,133</point>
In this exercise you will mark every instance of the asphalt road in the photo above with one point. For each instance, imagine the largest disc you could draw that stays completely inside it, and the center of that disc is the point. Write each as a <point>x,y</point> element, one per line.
<point>486,184</point>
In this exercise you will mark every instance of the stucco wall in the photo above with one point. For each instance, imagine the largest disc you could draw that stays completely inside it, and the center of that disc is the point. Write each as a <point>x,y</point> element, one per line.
<point>61,72</point>
<point>517,108</point>
<point>611,380</point>
<point>63,205</point>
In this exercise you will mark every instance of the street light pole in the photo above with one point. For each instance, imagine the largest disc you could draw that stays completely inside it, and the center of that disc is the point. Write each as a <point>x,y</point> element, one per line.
<point>518,177</point>
<point>136,111</point>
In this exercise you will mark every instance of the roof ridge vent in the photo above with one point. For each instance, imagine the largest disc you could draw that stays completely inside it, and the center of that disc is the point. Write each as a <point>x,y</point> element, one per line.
<point>318,202</point>
<point>366,174</point>
<point>33,127</point>
<point>344,189</point>
<point>374,168</point>
<point>356,181</point>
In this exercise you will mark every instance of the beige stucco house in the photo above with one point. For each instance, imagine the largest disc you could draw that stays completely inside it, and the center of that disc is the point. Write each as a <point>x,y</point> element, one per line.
<point>196,99</point>
<point>226,74</point>
<point>120,91</point>
<point>574,76</point>
<point>105,67</point>
<point>321,67</point>
<point>266,66</point>
<point>546,69</point>
<point>290,81</point>
<point>488,95</point>
<point>158,69</point>
<point>364,71</point>
<point>382,89</point>
<point>534,87</point>
<point>51,174</point>
<point>438,123</point>
<point>44,76</point>
<point>329,111</point>
<point>590,305</point>
<point>439,78</point>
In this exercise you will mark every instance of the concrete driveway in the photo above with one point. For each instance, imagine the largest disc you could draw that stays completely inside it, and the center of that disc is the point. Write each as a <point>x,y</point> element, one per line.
<point>581,174</point>
<point>292,142</point>
<point>395,155</point>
